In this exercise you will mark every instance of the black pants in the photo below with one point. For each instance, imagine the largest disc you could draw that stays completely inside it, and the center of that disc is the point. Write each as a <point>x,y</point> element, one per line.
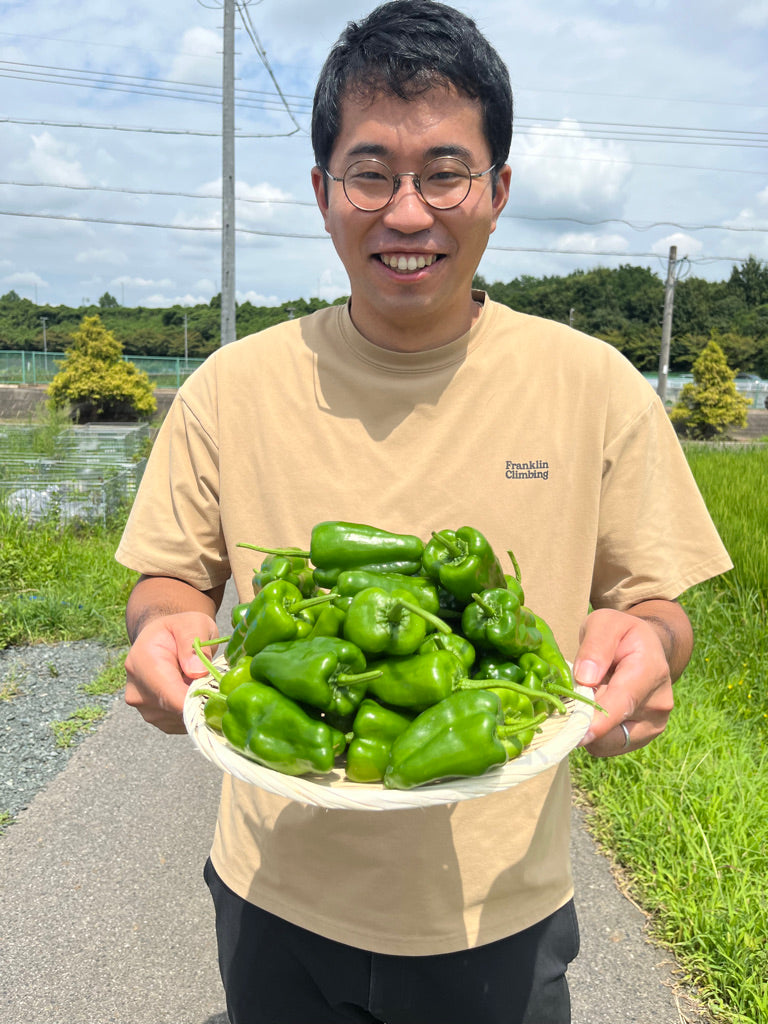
<point>277,973</point>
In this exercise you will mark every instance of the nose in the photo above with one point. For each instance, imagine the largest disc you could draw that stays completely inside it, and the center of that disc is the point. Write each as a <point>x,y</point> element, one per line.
<point>407,212</point>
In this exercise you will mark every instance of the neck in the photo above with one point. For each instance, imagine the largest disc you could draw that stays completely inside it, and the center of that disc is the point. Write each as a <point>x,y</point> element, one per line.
<point>418,332</point>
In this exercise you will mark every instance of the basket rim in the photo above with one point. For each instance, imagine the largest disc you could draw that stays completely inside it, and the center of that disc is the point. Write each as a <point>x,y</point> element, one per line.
<point>560,735</point>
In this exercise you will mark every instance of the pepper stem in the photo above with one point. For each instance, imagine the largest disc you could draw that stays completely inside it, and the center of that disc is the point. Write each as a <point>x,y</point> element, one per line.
<point>565,691</point>
<point>507,684</point>
<point>275,551</point>
<point>198,649</point>
<point>453,546</point>
<point>357,677</point>
<point>434,620</point>
<point>522,725</point>
<point>483,605</point>
<point>515,565</point>
<point>309,602</point>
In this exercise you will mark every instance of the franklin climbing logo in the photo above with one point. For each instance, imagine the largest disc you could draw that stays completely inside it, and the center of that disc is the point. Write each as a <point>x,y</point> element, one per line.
<point>534,470</point>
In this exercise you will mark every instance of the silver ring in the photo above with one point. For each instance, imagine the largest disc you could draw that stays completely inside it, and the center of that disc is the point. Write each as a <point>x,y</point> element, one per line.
<point>625,730</point>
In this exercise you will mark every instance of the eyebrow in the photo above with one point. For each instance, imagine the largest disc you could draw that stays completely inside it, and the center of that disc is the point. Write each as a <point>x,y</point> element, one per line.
<point>375,149</point>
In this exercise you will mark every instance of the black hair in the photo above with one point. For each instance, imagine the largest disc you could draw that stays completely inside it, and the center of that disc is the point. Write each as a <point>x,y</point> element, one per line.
<point>404,48</point>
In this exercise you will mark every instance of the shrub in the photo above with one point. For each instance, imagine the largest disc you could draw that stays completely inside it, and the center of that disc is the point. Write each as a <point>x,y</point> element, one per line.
<point>711,404</point>
<point>96,382</point>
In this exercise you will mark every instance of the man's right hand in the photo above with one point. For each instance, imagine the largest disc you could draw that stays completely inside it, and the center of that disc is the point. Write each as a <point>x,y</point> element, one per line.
<point>163,617</point>
<point>161,664</point>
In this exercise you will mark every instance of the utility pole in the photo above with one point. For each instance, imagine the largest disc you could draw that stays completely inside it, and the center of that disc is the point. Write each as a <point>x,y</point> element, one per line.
<point>666,324</point>
<point>228,328</point>
<point>44,320</point>
<point>186,344</point>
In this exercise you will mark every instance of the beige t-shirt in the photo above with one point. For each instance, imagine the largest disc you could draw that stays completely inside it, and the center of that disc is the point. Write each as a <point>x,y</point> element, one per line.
<point>547,441</point>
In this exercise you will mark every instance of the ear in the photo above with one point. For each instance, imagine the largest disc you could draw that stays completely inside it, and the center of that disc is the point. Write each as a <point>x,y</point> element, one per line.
<point>320,187</point>
<point>501,195</point>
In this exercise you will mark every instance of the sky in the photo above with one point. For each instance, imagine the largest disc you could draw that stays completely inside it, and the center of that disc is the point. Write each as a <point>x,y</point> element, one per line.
<point>639,125</point>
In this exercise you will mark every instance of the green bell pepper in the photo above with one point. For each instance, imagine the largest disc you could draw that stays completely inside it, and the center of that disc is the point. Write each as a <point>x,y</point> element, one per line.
<point>496,621</point>
<point>327,620</point>
<point>214,710</point>
<point>463,562</point>
<point>418,680</point>
<point>374,730</point>
<point>388,622</point>
<point>458,737</point>
<point>275,614</point>
<point>421,589</point>
<point>233,677</point>
<point>291,567</point>
<point>453,642</point>
<point>273,730</point>
<point>497,667</point>
<point>327,672</point>
<point>336,546</point>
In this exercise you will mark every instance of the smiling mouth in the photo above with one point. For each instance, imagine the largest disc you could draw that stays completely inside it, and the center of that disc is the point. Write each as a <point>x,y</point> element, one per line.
<point>408,262</point>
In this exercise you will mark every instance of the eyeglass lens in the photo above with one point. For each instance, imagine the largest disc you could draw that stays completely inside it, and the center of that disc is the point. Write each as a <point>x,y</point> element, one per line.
<point>443,183</point>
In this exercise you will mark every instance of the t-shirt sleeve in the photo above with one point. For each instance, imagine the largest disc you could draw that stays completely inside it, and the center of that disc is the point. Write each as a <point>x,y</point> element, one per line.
<point>656,537</point>
<point>174,528</point>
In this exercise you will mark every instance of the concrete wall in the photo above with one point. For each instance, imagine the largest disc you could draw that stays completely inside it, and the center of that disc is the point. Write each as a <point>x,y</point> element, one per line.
<point>21,401</point>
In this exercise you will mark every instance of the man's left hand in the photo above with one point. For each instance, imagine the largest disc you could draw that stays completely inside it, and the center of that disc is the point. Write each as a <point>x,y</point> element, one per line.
<point>631,660</point>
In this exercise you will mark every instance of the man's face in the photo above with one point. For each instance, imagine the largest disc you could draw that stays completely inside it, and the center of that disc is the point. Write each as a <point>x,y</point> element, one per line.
<point>411,309</point>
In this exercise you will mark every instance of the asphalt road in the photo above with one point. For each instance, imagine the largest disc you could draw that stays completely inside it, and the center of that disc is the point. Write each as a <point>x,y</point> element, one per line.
<point>106,919</point>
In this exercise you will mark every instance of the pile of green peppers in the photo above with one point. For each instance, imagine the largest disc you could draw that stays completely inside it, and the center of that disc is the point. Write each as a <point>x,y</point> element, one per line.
<point>406,662</point>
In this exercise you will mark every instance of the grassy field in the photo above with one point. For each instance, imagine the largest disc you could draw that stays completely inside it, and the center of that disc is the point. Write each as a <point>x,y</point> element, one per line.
<point>61,582</point>
<point>685,817</point>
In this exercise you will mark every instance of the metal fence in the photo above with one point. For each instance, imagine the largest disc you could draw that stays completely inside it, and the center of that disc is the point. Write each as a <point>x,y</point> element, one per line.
<point>21,367</point>
<point>83,473</point>
<point>756,391</point>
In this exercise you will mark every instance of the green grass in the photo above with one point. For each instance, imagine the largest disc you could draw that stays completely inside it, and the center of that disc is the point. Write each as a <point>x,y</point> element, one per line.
<point>72,728</point>
<point>110,680</point>
<point>686,816</point>
<point>61,582</point>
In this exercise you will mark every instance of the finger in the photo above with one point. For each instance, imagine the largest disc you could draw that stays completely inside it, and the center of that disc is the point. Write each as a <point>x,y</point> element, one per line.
<point>618,740</point>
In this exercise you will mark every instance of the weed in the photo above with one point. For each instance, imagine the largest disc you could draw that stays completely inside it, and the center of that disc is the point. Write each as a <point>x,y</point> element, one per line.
<point>110,680</point>
<point>11,687</point>
<point>79,722</point>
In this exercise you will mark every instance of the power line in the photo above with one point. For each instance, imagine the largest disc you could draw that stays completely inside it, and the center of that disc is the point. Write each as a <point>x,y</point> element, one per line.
<point>245,17</point>
<point>608,252</point>
<point>153,192</point>
<point>325,237</point>
<point>154,224</point>
<point>510,215</point>
<point>605,130</point>
<point>136,128</point>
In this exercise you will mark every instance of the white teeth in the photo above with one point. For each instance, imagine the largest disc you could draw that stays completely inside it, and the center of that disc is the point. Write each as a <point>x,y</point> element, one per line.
<point>410,263</point>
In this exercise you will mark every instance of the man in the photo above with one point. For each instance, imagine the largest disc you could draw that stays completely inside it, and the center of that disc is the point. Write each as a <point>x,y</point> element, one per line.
<point>420,405</point>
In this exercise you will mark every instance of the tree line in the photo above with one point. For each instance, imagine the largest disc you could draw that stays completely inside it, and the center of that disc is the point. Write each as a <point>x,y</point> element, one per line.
<point>623,306</point>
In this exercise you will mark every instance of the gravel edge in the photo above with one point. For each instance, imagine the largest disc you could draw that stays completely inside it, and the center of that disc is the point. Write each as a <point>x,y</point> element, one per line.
<point>43,684</point>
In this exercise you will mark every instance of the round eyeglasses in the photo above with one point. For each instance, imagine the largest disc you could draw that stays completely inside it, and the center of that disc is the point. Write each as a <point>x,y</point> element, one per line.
<point>443,183</point>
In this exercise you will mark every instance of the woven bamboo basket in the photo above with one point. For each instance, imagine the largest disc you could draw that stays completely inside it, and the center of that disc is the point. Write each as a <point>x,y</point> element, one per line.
<point>559,735</point>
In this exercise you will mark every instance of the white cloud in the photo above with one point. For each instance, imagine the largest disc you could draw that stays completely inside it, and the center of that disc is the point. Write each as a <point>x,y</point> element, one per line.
<point>25,279</point>
<point>686,246</point>
<point>114,256</point>
<point>564,169</point>
<point>586,241</point>
<point>257,299</point>
<point>199,59</point>
<point>753,15</point>
<point>55,161</point>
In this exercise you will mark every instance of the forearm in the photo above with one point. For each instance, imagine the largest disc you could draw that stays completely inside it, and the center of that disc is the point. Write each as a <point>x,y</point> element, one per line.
<point>672,625</point>
<point>155,597</point>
